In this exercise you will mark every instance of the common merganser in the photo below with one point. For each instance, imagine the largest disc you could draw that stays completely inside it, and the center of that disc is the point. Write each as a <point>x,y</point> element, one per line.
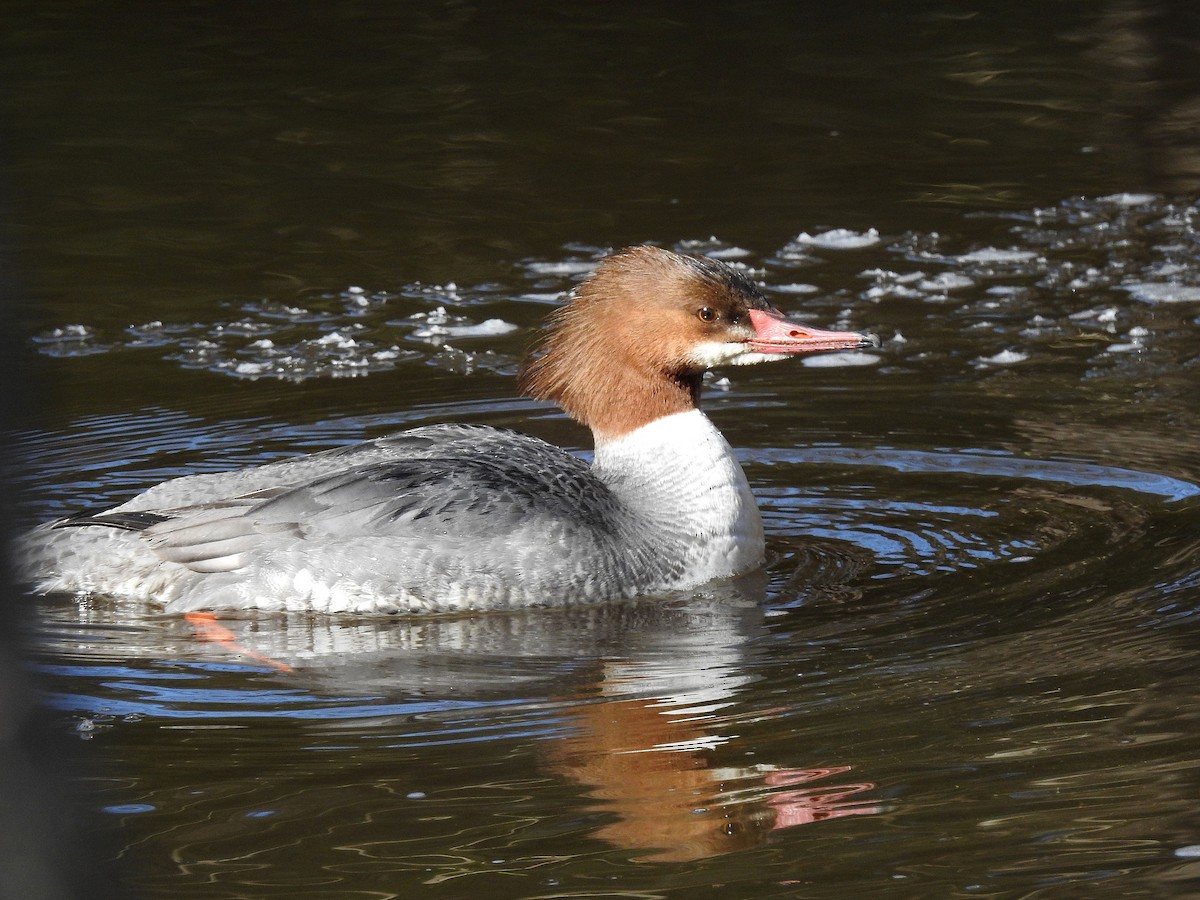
<point>449,518</point>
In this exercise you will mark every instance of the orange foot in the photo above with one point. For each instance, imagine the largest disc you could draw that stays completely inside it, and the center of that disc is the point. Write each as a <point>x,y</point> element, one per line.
<point>208,629</point>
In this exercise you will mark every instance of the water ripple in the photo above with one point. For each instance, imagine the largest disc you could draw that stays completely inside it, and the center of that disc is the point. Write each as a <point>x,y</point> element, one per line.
<point>1077,473</point>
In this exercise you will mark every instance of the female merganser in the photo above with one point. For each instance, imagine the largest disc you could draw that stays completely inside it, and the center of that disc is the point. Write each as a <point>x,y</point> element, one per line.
<point>450,518</point>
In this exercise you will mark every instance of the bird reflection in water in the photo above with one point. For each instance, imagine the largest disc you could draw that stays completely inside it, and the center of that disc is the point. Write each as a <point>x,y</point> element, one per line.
<point>648,764</point>
<point>646,717</point>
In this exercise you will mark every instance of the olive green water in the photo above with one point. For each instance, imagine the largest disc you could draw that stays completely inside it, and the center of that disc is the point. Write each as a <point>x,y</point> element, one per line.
<point>970,667</point>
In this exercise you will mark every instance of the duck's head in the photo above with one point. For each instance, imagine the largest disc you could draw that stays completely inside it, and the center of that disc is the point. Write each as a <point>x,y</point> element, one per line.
<point>634,339</point>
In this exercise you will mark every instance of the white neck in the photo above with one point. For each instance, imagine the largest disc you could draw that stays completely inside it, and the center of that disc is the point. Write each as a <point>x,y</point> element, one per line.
<point>680,480</point>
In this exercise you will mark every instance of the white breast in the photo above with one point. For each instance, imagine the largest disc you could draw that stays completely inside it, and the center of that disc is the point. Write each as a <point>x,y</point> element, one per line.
<point>680,478</point>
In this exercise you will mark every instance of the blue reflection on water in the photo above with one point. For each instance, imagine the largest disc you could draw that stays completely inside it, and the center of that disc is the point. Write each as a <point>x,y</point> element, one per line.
<point>145,695</point>
<point>260,701</point>
<point>1078,474</point>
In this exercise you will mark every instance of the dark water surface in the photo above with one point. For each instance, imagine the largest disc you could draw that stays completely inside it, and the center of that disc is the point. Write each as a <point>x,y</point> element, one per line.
<point>970,667</point>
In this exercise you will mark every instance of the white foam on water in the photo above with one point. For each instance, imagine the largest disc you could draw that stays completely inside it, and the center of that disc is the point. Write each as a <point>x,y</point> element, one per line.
<point>889,284</point>
<point>1102,314</point>
<point>728,253</point>
<point>338,340</point>
<point>1164,270</point>
<point>543,297</point>
<point>68,333</point>
<point>1003,358</point>
<point>995,256</point>
<point>561,267</point>
<point>69,341</point>
<point>887,275</point>
<point>245,328</point>
<point>1127,199</point>
<point>840,359</point>
<point>1162,292</point>
<point>1090,269</point>
<point>486,328</point>
<point>718,384</point>
<point>946,281</point>
<point>839,239</point>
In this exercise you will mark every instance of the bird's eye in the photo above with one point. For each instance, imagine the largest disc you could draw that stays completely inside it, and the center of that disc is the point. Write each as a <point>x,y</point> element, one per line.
<point>707,314</point>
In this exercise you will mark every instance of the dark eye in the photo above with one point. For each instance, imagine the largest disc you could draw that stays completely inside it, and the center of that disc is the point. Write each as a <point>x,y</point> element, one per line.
<point>707,314</point>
